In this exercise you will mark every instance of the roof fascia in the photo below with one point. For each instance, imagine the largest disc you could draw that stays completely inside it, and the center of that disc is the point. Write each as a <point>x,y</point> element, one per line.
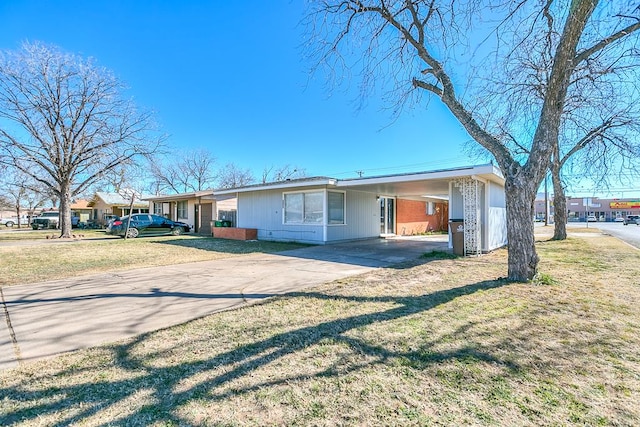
<point>180,196</point>
<point>488,172</point>
<point>278,186</point>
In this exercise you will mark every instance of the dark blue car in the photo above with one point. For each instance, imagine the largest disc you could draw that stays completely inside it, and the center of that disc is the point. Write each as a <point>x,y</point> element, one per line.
<point>146,225</point>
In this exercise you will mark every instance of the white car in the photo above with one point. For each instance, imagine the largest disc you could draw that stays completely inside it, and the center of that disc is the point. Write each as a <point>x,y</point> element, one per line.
<point>8,222</point>
<point>13,220</point>
<point>618,219</point>
<point>592,218</point>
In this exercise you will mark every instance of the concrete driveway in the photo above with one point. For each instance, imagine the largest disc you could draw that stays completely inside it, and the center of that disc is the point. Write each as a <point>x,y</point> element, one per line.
<point>49,318</point>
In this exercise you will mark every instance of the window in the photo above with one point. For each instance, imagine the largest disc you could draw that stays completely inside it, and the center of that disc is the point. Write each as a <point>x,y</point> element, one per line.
<point>313,207</point>
<point>336,207</point>
<point>309,207</point>
<point>182,209</point>
<point>304,208</point>
<point>293,208</point>
<point>157,208</point>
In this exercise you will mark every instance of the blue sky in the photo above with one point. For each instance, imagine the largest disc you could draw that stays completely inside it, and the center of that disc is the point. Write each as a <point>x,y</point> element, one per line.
<point>231,77</point>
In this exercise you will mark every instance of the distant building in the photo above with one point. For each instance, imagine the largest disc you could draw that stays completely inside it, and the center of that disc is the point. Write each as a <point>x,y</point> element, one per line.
<point>579,208</point>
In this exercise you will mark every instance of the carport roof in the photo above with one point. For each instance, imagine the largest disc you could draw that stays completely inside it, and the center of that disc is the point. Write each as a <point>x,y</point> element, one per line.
<point>431,184</point>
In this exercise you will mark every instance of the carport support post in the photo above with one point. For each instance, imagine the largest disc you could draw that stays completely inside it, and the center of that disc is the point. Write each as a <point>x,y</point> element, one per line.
<point>470,190</point>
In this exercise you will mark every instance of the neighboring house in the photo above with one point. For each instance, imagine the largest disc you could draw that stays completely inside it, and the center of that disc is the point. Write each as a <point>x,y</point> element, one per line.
<point>198,209</point>
<point>81,210</point>
<point>106,205</point>
<point>324,210</point>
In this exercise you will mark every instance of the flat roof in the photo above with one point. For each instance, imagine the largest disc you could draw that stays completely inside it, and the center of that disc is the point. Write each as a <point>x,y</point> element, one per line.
<point>426,184</point>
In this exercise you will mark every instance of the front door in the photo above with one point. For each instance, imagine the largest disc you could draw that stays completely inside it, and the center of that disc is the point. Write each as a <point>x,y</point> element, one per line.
<point>387,216</point>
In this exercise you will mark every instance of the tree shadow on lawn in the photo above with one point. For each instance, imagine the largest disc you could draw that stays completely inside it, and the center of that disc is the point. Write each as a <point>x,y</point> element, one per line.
<point>166,383</point>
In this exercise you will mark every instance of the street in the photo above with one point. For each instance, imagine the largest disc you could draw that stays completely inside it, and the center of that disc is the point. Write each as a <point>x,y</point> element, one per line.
<point>627,233</point>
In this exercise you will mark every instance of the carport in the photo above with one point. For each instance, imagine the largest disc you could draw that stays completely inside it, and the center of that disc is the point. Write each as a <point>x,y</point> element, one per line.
<point>474,197</point>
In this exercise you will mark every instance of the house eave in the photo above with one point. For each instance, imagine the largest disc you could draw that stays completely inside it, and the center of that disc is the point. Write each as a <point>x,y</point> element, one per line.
<point>279,186</point>
<point>205,194</point>
<point>488,172</point>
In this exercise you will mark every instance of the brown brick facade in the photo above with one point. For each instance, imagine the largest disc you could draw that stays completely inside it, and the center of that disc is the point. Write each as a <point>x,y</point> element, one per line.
<point>234,233</point>
<point>412,218</point>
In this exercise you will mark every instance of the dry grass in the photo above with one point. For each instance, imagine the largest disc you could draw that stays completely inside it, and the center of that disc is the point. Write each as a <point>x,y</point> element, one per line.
<point>444,342</point>
<point>40,259</point>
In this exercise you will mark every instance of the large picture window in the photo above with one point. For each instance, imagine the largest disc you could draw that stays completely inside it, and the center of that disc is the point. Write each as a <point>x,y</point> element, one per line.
<point>182,210</point>
<point>303,208</point>
<point>309,207</point>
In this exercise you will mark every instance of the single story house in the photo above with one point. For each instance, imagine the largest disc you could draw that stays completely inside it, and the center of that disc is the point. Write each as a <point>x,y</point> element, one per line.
<point>198,209</point>
<point>323,210</point>
<point>105,205</point>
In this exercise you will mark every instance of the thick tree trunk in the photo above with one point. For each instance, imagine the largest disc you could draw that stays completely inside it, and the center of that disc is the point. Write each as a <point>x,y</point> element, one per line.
<point>560,206</point>
<point>65,213</point>
<point>523,259</point>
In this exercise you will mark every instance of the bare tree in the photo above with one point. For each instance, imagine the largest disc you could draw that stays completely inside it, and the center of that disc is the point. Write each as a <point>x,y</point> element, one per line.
<point>65,123</point>
<point>282,173</point>
<point>601,146</point>
<point>598,131</point>
<point>20,191</point>
<point>419,45</point>
<point>232,176</point>
<point>189,171</point>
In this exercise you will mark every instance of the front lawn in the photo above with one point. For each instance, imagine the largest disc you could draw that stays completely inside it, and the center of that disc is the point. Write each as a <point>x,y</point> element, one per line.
<point>442,342</point>
<point>96,252</point>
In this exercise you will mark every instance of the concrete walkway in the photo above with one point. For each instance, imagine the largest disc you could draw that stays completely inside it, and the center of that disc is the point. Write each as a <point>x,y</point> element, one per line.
<point>45,319</point>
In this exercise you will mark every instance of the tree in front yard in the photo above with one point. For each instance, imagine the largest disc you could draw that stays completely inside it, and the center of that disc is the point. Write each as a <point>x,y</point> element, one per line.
<point>459,51</point>
<point>65,123</point>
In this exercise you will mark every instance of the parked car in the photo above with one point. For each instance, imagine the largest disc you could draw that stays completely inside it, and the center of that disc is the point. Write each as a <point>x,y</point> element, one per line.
<point>618,219</point>
<point>46,220</point>
<point>632,219</point>
<point>592,218</point>
<point>110,218</point>
<point>146,225</point>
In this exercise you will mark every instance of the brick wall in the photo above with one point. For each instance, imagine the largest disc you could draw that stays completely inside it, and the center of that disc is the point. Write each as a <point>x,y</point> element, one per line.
<point>234,233</point>
<point>412,218</point>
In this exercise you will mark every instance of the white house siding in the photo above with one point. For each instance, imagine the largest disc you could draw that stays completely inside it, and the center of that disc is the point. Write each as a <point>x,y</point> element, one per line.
<point>263,210</point>
<point>362,218</point>
<point>497,220</point>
